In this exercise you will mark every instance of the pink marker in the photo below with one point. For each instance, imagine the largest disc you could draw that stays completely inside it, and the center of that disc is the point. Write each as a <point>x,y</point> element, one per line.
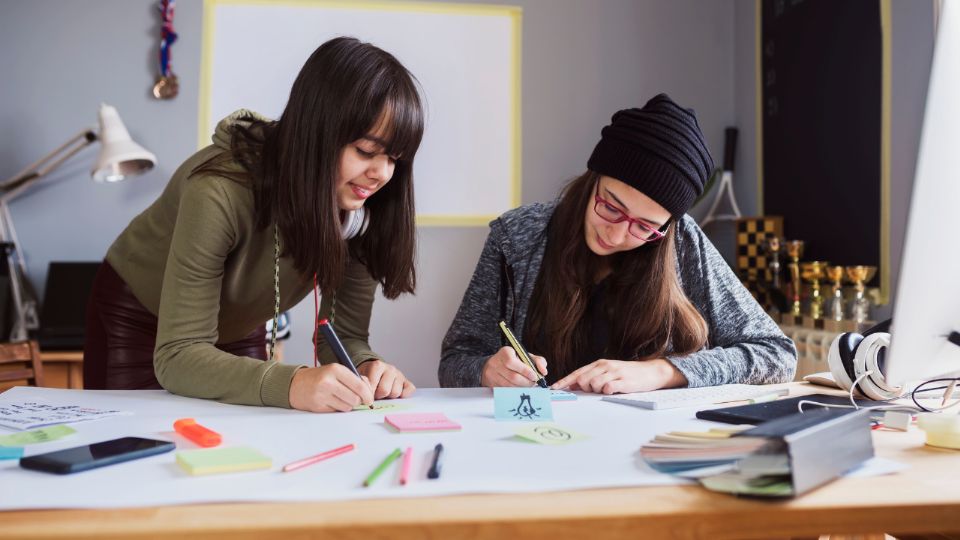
<point>405,466</point>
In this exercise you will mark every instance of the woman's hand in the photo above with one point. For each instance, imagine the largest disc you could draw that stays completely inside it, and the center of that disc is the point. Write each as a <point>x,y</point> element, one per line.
<point>386,380</point>
<point>506,369</point>
<point>328,388</point>
<point>623,377</point>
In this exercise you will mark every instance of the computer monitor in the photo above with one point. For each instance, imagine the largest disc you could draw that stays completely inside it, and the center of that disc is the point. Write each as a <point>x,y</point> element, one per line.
<point>927,305</point>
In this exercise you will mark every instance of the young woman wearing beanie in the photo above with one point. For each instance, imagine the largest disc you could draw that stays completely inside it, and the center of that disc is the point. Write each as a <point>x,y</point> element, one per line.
<point>321,198</point>
<point>612,288</point>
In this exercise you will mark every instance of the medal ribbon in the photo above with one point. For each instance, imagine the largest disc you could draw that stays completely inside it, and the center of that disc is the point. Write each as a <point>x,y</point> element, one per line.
<point>167,35</point>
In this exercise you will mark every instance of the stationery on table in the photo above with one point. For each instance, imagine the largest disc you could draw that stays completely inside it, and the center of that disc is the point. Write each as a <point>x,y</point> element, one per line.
<point>405,466</point>
<point>222,460</point>
<point>672,398</point>
<point>562,395</point>
<point>781,458</point>
<point>522,353</point>
<point>190,429</point>
<point>37,413</point>
<point>36,436</point>
<point>317,458</point>
<point>436,464</point>
<point>10,452</point>
<point>415,422</point>
<point>330,335</point>
<point>549,434</point>
<point>381,467</point>
<point>522,404</point>
<point>382,406</point>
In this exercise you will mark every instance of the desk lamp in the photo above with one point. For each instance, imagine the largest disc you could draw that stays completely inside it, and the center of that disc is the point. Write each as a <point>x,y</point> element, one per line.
<point>119,158</point>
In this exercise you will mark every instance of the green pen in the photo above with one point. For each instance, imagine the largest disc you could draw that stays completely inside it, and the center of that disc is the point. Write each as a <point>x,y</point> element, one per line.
<point>382,467</point>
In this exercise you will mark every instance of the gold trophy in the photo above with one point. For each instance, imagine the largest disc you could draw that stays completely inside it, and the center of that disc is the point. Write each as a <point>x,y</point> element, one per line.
<point>795,251</point>
<point>813,272</point>
<point>860,305</point>
<point>835,307</point>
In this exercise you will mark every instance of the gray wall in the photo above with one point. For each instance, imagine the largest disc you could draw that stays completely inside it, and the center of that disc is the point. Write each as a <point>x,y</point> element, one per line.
<point>581,62</point>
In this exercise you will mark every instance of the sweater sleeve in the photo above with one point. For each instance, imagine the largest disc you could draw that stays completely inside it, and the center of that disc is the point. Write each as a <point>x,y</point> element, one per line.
<point>185,358</point>
<point>349,310</point>
<point>472,337</point>
<point>745,345</point>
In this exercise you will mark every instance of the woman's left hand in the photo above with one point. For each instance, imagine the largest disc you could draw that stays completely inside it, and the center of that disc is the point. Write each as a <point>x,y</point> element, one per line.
<point>623,377</point>
<point>386,380</point>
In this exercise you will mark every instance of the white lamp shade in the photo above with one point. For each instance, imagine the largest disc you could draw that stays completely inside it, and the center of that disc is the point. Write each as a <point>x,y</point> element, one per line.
<point>119,157</point>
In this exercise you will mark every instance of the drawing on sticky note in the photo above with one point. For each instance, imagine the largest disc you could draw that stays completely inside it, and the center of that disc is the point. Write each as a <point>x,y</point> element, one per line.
<point>525,409</point>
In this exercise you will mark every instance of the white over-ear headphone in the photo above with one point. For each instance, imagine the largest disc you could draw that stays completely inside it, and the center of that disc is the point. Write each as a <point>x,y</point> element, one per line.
<point>354,224</point>
<point>854,357</point>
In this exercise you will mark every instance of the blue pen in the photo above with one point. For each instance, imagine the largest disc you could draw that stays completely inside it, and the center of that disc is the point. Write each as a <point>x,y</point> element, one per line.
<point>326,328</point>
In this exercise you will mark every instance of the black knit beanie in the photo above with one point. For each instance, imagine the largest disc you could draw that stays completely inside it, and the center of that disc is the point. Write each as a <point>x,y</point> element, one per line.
<point>659,150</point>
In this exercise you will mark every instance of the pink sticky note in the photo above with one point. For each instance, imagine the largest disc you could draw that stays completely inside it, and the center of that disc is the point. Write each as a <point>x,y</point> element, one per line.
<point>421,422</point>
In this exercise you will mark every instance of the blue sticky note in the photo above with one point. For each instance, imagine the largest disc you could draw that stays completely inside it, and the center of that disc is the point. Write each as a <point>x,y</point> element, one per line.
<point>562,395</point>
<point>522,404</point>
<point>11,452</point>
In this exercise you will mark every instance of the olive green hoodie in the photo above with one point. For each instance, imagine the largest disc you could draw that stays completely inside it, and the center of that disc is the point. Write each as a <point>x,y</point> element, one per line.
<point>196,259</point>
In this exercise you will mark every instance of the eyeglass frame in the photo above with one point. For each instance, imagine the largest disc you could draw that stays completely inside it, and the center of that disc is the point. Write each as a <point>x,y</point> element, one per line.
<point>653,234</point>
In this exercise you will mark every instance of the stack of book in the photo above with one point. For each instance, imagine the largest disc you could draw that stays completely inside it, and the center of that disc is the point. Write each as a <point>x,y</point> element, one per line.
<point>779,458</point>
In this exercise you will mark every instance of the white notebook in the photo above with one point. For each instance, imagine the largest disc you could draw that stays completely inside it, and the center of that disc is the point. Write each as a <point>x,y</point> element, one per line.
<point>696,397</point>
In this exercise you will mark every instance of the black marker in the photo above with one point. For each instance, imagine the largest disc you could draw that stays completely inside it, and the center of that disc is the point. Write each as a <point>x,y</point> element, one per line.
<point>434,471</point>
<point>326,328</point>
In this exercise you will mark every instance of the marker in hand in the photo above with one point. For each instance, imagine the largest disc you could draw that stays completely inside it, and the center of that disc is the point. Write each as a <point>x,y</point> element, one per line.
<point>522,353</point>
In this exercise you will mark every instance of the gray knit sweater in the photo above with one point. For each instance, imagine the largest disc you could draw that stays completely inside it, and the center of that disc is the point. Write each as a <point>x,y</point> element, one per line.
<point>744,344</point>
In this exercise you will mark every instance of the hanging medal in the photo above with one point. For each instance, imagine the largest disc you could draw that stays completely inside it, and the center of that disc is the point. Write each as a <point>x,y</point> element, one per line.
<point>166,86</point>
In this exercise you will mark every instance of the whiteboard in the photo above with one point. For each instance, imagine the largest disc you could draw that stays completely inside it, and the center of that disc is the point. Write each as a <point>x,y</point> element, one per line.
<point>466,58</point>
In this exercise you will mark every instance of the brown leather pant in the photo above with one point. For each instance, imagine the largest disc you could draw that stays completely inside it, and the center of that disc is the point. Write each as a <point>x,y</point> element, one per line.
<point>121,335</point>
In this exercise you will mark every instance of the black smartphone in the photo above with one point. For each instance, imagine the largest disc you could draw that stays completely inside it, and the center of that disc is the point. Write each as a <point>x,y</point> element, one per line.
<point>91,456</point>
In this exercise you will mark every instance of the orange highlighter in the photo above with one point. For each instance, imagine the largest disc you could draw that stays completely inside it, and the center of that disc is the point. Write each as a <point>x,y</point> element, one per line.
<point>189,428</point>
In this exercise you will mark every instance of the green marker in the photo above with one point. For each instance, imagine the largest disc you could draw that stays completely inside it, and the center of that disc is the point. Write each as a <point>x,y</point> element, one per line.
<point>382,467</point>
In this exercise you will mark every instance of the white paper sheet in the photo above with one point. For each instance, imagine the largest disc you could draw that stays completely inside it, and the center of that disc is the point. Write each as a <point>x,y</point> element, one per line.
<point>34,413</point>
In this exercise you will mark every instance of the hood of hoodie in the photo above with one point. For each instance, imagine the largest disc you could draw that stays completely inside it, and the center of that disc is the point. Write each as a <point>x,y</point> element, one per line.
<point>242,117</point>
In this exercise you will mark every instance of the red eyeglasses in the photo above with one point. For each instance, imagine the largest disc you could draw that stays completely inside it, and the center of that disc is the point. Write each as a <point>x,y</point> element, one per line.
<point>637,229</point>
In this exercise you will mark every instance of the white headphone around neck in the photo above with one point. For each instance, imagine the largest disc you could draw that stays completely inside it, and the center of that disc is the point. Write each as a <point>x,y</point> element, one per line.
<point>354,224</point>
<point>854,357</point>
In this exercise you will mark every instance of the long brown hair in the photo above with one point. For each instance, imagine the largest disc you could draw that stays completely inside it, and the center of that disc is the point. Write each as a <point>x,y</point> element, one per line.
<point>344,90</point>
<point>647,310</point>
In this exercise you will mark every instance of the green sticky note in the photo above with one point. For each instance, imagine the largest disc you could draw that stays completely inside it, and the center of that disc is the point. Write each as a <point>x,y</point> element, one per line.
<point>11,452</point>
<point>549,434</point>
<point>35,436</point>
<point>222,460</point>
<point>382,406</point>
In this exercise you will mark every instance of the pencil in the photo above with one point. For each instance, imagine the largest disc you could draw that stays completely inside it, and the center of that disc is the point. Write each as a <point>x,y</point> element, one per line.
<point>317,458</point>
<point>381,467</point>
<point>405,466</point>
<point>522,353</point>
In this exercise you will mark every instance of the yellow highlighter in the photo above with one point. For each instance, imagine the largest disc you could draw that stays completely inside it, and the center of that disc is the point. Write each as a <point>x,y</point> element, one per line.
<point>522,353</point>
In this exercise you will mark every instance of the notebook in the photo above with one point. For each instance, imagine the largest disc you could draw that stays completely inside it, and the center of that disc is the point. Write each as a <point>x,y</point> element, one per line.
<point>695,397</point>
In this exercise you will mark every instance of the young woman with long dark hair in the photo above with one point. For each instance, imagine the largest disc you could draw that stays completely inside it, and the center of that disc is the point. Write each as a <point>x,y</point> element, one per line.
<point>320,199</point>
<point>612,288</point>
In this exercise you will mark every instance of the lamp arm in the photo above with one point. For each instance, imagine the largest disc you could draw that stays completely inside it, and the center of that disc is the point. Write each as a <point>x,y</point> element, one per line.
<point>42,166</point>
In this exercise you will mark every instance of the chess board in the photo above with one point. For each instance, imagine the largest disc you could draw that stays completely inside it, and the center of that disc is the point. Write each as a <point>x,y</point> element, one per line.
<point>752,258</point>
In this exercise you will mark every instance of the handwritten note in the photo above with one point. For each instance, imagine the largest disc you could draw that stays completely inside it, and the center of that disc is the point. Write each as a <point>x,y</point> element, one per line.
<point>382,407</point>
<point>35,413</point>
<point>522,404</point>
<point>421,422</point>
<point>549,434</point>
<point>36,436</point>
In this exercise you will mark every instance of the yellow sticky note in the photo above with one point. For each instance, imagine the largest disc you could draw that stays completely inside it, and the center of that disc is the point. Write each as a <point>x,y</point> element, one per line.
<point>548,434</point>
<point>382,406</point>
<point>222,460</point>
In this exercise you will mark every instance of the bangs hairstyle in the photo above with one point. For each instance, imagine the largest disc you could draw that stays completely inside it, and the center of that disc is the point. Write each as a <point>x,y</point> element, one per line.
<point>647,310</point>
<point>345,91</point>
